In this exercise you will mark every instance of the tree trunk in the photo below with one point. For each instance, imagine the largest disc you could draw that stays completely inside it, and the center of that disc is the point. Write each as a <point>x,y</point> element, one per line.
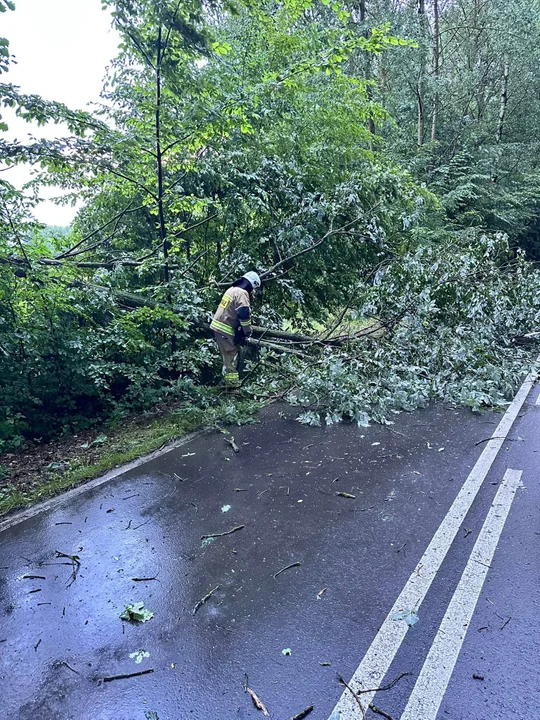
<point>436,61</point>
<point>504,99</point>
<point>159,160</point>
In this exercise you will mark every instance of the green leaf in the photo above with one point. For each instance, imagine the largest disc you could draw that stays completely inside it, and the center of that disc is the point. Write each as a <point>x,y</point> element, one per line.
<point>136,612</point>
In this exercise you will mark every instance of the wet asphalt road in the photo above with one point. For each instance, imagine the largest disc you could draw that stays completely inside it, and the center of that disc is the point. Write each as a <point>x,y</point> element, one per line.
<point>59,635</point>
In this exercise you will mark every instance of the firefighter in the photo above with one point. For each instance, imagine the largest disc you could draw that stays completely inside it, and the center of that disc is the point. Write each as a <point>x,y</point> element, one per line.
<point>232,323</point>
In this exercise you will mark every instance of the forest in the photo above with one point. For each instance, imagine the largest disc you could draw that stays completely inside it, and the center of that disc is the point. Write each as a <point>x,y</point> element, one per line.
<point>375,161</point>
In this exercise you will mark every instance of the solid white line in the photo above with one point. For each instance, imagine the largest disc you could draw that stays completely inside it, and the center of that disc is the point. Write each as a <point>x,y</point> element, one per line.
<point>537,400</point>
<point>435,675</point>
<point>387,642</point>
<point>23,515</point>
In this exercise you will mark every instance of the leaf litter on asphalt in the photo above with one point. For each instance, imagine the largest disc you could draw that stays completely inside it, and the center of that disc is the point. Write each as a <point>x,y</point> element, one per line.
<point>136,612</point>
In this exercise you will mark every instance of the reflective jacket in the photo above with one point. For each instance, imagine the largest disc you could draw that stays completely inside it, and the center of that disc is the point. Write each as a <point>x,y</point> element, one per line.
<point>234,312</point>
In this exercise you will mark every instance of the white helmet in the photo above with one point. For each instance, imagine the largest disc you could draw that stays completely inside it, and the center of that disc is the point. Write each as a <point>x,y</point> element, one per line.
<point>253,278</point>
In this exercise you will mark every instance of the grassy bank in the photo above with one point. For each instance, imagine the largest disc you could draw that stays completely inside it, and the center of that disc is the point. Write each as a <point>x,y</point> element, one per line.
<point>37,472</point>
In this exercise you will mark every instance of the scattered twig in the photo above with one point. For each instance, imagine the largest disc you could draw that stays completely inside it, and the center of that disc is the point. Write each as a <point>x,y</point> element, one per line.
<point>128,497</point>
<point>201,602</point>
<point>355,696</point>
<point>230,441</point>
<point>64,523</point>
<point>494,437</point>
<point>44,603</point>
<point>483,563</point>
<point>321,593</point>
<point>476,676</point>
<point>136,527</point>
<point>378,711</point>
<point>401,548</point>
<point>34,577</point>
<point>346,495</point>
<point>125,676</point>
<point>506,623</point>
<point>257,702</point>
<point>304,713</point>
<point>240,489</point>
<point>34,591</point>
<point>70,668</point>
<point>145,579</point>
<point>229,532</point>
<point>288,567</point>
<point>378,689</point>
<point>75,565</point>
<point>37,644</point>
<point>367,508</point>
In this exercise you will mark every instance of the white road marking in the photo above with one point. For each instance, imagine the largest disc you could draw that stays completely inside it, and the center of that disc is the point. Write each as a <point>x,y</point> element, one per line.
<point>435,675</point>
<point>387,642</point>
<point>65,497</point>
<point>537,400</point>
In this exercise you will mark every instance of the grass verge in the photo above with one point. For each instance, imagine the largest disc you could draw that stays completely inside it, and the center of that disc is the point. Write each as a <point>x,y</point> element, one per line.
<point>37,473</point>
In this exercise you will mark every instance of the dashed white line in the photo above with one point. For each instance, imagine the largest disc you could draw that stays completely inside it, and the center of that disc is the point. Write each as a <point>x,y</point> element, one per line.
<point>387,642</point>
<point>435,675</point>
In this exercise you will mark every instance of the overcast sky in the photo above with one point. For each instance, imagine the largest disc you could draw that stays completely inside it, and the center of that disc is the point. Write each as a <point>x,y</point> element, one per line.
<point>62,49</point>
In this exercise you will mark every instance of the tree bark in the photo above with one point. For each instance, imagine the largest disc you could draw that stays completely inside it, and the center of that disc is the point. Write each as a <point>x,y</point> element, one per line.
<point>159,159</point>
<point>504,99</point>
<point>436,68</point>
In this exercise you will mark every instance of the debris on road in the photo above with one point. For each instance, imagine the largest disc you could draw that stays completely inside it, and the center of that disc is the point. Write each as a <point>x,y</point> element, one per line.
<point>378,711</point>
<point>230,441</point>
<point>303,714</point>
<point>286,651</point>
<point>346,495</point>
<point>325,664</point>
<point>476,676</point>
<point>321,593</point>
<point>228,532</point>
<point>287,567</point>
<point>136,612</point>
<point>139,656</point>
<point>201,602</point>
<point>124,676</point>
<point>33,577</point>
<point>225,508</point>
<point>257,702</point>
<point>66,664</point>
<point>75,565</point>
<point>144,579</point>
<point>410,617</point>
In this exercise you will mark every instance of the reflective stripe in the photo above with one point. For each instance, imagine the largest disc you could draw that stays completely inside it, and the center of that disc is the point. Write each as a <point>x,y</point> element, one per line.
<point>245,323</point>
<point>221,327</point>
<point>225,301</point>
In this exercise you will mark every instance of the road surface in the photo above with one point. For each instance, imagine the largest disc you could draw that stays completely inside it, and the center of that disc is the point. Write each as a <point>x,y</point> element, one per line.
<point>443,531</point>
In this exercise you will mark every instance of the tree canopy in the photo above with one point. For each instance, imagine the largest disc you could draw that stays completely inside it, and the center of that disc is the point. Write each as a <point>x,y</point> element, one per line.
<point>376,162</point>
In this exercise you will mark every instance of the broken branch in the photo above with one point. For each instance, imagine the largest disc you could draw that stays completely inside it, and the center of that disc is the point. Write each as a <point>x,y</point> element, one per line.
<point>378,711</point>
<point>303,714</point>
<point>288,567</point>
<point>125,676</point>
<point>229,532</point>
<point>230,441</point>
<point>257,702</point>
<point>201,602</point>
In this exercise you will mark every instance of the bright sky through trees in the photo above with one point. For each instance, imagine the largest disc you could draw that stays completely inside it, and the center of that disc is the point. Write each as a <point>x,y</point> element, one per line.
<point>62,48</point>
